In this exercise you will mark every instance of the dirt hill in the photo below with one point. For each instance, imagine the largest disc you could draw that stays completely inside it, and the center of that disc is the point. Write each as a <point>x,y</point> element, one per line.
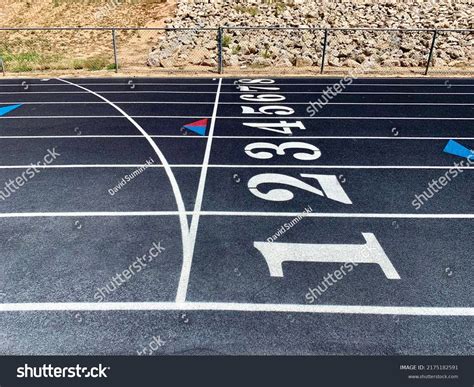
<point>88,50</point>
<point>84,13</point>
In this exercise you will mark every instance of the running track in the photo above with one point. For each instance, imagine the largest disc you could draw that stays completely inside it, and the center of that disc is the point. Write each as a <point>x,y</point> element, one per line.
<point>212,202</point>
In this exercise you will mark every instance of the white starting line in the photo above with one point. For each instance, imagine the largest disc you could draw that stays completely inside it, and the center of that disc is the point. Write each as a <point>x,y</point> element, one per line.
<point>224,83</point>
<point>81,136</point>
<point>241,118</point>
<point>233,213</point>
<point>243,166</point>
<point>237,307</point>
<point>232,103</point>
<point>309,93</point>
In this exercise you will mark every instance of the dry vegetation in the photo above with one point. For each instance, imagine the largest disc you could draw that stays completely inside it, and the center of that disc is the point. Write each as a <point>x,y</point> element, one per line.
<point>61,50</point>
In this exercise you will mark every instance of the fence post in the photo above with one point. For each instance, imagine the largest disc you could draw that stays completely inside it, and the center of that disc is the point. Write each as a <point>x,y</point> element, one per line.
<point>430,56</point>
<point>114,44</point>
<point>324,49</point>
<point>2,63</point>
<point>220,67</point>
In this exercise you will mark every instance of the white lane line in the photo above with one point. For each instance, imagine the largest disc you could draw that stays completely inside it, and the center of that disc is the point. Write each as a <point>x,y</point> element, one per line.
<point>450,85</point>
<point>87,214</point>
<point>183,220</point>
<point>447,86</point>
<point>340,166</point>
<point>78,137</point>
<point>234,103</point>
<point>187,260</point>
<point>311,92</point>
<point>110,92</point>
<point>238,307</point>
<point>232,213</point>
<point>340,215</point>
<point>349,137</point>
<point>117,102</point>
<point>217,166</point>
<point>243,118</point>
<point>124,84</point>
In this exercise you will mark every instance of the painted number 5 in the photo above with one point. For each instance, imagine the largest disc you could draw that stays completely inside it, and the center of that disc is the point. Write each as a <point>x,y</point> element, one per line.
<point>314,154</point>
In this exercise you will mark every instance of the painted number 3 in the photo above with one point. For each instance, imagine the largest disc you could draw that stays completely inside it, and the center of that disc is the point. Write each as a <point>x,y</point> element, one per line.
<point>314,152</point>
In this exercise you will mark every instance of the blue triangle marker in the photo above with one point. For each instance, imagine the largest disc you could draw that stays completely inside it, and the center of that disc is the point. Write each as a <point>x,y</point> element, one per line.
<point>455,148</point>
<point>201,130</point>
<point>198,127</point>
<point>7,109</point>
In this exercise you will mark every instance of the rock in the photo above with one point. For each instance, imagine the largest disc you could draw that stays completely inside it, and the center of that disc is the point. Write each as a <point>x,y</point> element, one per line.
<point>391,63</point>
<point>234,61</point>
<point>334,62</point>
<point>290,47</point>
<point>455,52</point>
<point>303,61</point>
<point>458,63</point>
<point>198,55</point>
<point>211,45</point>
<point>167,62</point>
<point>350,63</point>
<point>261,62</point>
<point>153,60</point>
<point>438,62</point>
<point>283,62</point>
<point>346,50</point>
<point>209,62</point>
<point>407,46</point>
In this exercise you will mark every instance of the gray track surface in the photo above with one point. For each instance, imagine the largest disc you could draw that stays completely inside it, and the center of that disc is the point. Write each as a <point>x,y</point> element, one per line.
<point>382,138</point>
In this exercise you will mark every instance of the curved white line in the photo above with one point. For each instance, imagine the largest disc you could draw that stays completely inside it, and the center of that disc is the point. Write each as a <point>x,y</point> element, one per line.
<point>187,263</point>
<point>183,220</point>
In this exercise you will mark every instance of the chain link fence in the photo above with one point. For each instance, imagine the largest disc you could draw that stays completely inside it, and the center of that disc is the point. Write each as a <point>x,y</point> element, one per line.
<point>378,51</point>
<point>343,51</point>
<point>273,50</point>
<point>237,50</point>
<point>453,52</point>
<point>40,50</point>
<point>168,50</point>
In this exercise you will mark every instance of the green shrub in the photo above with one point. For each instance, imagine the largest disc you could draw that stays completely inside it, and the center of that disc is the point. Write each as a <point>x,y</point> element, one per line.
<point>226,39</point>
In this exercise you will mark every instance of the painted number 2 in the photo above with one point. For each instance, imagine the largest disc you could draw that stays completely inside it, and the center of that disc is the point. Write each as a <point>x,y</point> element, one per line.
<point>330,187</point>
